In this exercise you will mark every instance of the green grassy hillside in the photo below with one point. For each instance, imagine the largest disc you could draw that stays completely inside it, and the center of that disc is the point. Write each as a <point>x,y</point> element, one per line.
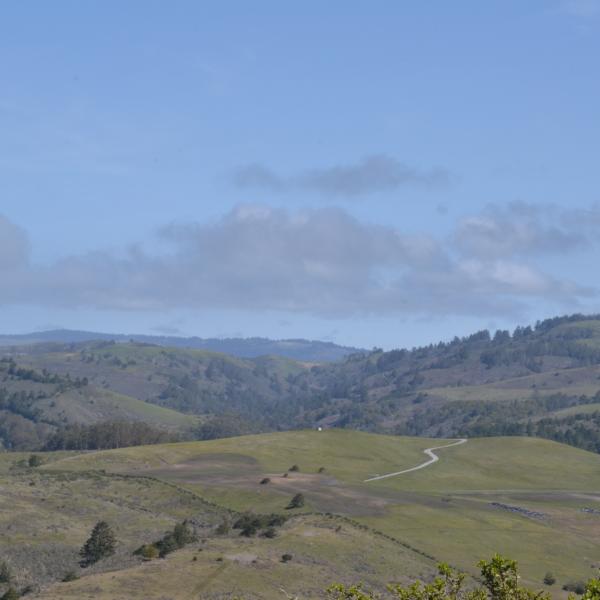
<point>323,550</point>
<point>520,496</point>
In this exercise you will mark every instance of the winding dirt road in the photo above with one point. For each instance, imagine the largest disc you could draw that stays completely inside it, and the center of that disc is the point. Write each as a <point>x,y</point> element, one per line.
<point>433,459</point>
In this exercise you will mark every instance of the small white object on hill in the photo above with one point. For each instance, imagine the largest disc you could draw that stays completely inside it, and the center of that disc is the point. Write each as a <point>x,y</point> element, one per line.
<point>319,429</point>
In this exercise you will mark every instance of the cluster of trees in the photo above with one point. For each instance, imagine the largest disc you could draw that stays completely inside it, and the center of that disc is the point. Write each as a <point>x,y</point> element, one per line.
<point>250,524</point>
<point>182,535</point>
<point>480,418</point>
<point>108,435</point>
<point>11,369</point>
<point>223,426</point>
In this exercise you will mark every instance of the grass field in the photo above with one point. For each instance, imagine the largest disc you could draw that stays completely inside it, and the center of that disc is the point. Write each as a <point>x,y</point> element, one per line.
<point>97,404</point>
<point>519,496</point>
<point>324,550</point>
<point>45,517</point>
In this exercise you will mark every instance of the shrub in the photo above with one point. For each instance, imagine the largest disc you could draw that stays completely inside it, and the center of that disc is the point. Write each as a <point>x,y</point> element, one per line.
<point>286,558</point>
<point>35,461</point>
<point>149,552</point>
<point>182,534</point>
<point>574,586</point>
<point>249,530</point>
<point>224,527</point>
<point>166,545</point>
<point>321,469</point>
<point>269,532</point>
<point>296,502</point>
<point>70,576</point>
<point>5,573</point>
<point>294,468</point>
<point>265,481</point>
<point>549,579</point>
<point>499,577</point>
<point>10,594</point>
<point>250,524</point>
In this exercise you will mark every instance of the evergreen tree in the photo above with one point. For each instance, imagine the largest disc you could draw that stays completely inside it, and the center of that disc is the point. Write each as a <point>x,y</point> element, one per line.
<point>99,545</point>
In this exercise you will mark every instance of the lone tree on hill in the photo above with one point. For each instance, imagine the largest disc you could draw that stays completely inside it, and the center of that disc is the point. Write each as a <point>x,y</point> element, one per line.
<point>99,545</point>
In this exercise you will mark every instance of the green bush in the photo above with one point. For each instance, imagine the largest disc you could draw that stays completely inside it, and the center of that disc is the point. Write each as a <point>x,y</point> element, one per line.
<point>296,502</point>
<point>149,552</point>
<point>35,461</point>
<point>10,594</point>
<point>574,586</point>
<point>5,573</point>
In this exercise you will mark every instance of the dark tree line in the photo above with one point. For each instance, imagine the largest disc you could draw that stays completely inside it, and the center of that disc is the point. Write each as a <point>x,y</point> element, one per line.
<point>108,435</point>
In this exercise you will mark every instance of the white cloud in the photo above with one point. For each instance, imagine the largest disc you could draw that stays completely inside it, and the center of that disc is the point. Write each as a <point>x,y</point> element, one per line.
<point>321,262</point>
<point>518,229</point>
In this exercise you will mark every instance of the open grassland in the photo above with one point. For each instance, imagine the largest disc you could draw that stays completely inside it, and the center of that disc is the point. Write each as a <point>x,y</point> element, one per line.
<point>90,405</point>
<point>520,496</point>
<point>572,382</point>
<point>46,516</point>
<point>323,550</point>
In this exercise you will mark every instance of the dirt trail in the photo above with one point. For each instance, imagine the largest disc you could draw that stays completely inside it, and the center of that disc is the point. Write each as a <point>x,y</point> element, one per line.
<point>433,459</point>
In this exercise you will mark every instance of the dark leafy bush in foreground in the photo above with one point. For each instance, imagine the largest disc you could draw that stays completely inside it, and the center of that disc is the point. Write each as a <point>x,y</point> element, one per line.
<point>499,577</point>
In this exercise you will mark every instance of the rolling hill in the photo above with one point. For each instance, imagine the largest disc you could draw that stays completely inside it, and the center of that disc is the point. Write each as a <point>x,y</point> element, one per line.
<point>297,349</point>
<point>534,500</point>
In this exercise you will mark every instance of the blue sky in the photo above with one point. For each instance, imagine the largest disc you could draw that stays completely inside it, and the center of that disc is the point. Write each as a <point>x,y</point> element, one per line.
<point>388,173</point>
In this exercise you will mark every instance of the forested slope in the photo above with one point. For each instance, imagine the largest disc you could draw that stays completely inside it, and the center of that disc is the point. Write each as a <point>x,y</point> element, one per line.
<point>542,380</point>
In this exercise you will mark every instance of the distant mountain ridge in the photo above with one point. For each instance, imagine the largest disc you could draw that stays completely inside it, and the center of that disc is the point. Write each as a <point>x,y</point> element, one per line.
<point>297,349</point>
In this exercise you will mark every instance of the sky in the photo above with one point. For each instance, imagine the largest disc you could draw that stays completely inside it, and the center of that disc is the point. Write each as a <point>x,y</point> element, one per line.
<point>370,173</point>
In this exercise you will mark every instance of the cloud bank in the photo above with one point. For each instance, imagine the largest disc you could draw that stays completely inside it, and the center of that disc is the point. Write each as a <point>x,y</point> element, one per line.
<point>319,262</point>
<point>375,173</point>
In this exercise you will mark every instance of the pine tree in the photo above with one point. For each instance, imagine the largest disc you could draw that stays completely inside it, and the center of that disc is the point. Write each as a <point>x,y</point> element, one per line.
<point>99,545</point>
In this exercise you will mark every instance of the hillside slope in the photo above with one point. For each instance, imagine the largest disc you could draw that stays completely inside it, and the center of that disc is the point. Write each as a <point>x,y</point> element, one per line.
<point>542,381</point>
<point>534,500</point>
